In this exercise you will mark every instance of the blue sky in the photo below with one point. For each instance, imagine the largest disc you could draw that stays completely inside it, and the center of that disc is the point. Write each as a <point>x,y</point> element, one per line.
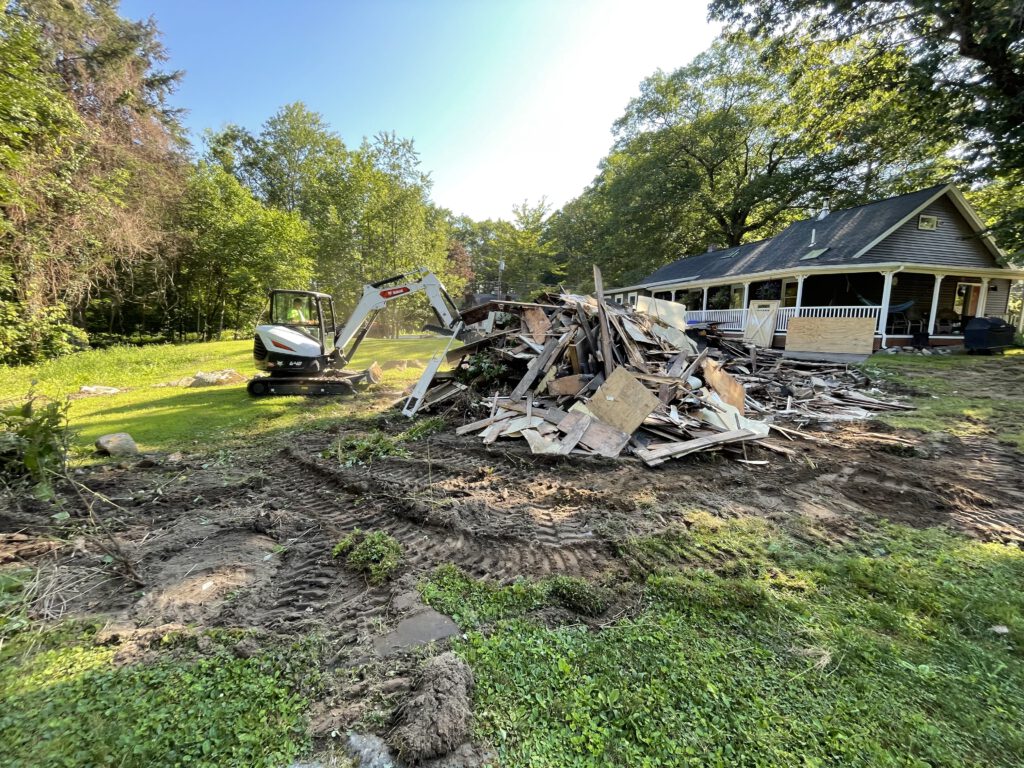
<point>507,100</point>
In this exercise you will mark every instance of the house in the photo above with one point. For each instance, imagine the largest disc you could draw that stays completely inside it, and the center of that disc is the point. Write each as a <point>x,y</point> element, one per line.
<point>916,262</point>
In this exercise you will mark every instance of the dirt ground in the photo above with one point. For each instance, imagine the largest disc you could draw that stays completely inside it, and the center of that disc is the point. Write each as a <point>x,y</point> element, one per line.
<point>246,542</point>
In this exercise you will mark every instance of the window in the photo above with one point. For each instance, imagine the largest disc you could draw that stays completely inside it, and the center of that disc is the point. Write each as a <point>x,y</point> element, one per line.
<point>663,295</point>
<point>294,309</point>
<point>927,222</point>
<point>632,299</point>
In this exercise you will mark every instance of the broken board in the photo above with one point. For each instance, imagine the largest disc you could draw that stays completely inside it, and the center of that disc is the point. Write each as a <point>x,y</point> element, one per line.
<point>851,335</point>
<point>725,384</point>
<point>622,401</point>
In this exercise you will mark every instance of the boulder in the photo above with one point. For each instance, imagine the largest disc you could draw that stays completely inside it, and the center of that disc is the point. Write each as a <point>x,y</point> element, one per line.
<point>216,378</point>
<point>117,444</point>
<point>97,389</point>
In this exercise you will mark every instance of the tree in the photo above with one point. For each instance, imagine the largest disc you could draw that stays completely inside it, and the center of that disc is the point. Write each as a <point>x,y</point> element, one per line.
<point>742,141</point>
<point>970,49</point>
<point>528,255</point>
<point>234,250</point>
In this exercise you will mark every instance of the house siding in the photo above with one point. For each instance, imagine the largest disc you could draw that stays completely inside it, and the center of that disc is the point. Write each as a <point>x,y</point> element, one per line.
<point>953,244</point>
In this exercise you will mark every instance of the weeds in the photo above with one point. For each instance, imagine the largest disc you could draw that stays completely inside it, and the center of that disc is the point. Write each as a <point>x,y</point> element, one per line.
<point>367,448</point>
<point>33,443</point>
<point>375,554</point>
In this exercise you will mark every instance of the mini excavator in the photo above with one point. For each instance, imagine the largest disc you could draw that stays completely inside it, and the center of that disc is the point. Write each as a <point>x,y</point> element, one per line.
<point>305,353</point>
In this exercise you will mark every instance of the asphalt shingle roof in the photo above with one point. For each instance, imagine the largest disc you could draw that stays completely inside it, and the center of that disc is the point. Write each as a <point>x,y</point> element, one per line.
<point>842,233</point>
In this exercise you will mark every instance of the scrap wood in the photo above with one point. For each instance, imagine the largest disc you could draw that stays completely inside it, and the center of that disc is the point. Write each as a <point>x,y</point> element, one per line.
<point>577,376</point>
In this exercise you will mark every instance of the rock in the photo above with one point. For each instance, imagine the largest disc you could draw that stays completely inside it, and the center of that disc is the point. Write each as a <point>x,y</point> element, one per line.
<point>1000,629</point>
<point>216,378</point>
<point>926,351</point>
<point>370,751</point>
<point>247,647</point>
<point>117,444</point>
<point>98,390</point>
<point>176,458</point>
<point>892,351</point>
<point>438,717</point>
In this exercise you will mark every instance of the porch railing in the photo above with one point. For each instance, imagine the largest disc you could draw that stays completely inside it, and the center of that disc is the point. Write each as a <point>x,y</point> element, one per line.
<point>736,319</point>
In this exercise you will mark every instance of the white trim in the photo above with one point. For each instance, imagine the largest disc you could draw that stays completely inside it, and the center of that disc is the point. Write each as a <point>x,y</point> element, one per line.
<point>998,273</point>
<point>934,311</point>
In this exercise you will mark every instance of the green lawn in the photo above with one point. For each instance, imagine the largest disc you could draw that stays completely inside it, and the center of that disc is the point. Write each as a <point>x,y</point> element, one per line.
<point>782,656</point>
<point>963,395</point>
<point>162,418</point>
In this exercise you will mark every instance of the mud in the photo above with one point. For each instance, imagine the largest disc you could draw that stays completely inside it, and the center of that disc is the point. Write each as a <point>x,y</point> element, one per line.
<point>438,717</point>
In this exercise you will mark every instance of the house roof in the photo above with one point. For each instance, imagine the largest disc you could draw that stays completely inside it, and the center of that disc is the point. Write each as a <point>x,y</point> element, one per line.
<point>841,237</point>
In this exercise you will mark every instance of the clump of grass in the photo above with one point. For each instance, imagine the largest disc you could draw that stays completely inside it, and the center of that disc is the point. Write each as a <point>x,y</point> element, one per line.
<point>579,595</point>
<point>365,449</point>
<point>376,554</point>
<point>422,428</point>
<point>473,602</point>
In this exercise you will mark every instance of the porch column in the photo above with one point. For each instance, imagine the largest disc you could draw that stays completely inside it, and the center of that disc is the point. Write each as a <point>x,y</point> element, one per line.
<point>935,304</point>
<point>746,295</point>
<point>883,314</point>
<point>799,294</point>
<point>1020,317</point>
<point>982,298</point>
<point>704,301</point>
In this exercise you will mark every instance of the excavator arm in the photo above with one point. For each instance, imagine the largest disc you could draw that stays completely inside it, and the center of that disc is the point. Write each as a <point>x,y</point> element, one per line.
<point>376,296</point>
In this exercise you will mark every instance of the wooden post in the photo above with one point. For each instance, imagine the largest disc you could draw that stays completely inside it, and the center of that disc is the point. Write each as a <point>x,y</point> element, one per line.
<point>799,294</point>
<point>603,330</point>
<point>982,298</point>
<point>935,304</point>
<point>704,302</point>
<point>883,314</point>
<point>1020,317</point>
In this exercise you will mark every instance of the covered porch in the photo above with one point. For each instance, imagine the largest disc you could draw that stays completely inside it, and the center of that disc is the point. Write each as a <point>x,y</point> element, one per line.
<point>904,301</point>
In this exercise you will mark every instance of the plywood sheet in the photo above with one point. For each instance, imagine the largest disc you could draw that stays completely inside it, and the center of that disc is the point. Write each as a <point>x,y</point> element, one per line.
<point>725,384</point>
<point>852,335</point>
<point>669,312</point>
<point>622,401</point>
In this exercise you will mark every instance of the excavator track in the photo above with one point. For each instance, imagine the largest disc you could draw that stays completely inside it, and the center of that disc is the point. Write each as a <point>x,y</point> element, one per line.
<point>277,386</point>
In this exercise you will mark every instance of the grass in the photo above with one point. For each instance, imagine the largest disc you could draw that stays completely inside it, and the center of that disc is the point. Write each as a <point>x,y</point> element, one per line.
<point>376,554</point>
<point>963,395</point>
<point>172,418</point>
<point>785,656</point>
<point>67,702</point>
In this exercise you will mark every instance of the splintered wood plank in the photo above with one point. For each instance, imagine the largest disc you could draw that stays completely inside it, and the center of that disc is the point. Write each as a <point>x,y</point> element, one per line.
<point>474,426</point>
<point>575,434</point>
<point>542,445</point>
<point>633,353</point>
<point>603,439</point>
<point>622,401</point>
<point>662,453</point>
<point>537,365</point>
<point>604,331</point>
<point>725,384</point>
<point>537,322</point>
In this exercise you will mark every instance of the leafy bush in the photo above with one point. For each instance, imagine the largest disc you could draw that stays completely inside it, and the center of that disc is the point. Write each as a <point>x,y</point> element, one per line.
<point>33,442</point>
<point>28,336</point>
<point>376,554</point>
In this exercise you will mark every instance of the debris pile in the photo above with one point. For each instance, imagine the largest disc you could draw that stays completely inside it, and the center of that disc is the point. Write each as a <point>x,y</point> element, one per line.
<point>576,375</point>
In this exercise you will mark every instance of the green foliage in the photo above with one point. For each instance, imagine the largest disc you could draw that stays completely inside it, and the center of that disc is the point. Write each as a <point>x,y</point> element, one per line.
<point>33,442</point>
<point>733,147</point>
<point>482,370</point>
<point>68,703</point>
<point>800,657</point>
<point>423,428</point>
<point>472,602</point>
<point>579,595</point>
<point>28,336</point>
<point>14,602</point>
<point>376,554</point>
<point>366,448</point>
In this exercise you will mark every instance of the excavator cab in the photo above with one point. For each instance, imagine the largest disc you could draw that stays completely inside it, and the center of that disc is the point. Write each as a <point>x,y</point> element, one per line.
<point>299,339</point>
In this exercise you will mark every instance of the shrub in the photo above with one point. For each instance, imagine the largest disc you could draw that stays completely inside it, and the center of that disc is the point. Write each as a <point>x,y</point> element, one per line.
<point>33,442</point>
<point>376,554</point>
